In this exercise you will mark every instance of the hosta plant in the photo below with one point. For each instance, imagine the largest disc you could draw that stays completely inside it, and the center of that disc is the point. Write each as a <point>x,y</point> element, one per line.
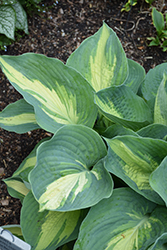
<point>99,182</point>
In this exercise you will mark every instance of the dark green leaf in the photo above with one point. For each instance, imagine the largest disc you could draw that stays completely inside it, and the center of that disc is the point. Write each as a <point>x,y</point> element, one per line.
<point>158,20</point>
<point>21,17</point>
<point>7,21</point>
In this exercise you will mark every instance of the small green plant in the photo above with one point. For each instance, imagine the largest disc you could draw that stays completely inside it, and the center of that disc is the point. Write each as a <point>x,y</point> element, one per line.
<point>31,6</point>
<point>131,3</point>
<point>160,23</point>
<point>99,182</point>
<point>12,17</point>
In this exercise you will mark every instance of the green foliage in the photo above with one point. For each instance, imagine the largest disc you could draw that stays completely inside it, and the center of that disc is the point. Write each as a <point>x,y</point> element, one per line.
<point>108,123</point>
<point>12,18</point>
<point>160,23</point>
<point>131,3</point>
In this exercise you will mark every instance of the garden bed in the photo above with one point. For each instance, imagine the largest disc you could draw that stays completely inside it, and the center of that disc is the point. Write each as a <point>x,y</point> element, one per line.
<point>57,32</point>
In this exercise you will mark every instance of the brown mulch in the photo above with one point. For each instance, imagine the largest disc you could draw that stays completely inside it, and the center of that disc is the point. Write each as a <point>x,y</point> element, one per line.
<point>57,32</point>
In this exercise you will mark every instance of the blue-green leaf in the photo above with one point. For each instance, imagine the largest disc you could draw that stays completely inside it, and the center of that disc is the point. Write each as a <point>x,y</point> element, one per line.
<point>133,159</point>
<point>150,85</point>
<point>158,179</point>
<point>28,164</point>
<point>120,105</point>
<point>101,59</point>
<point>126,221</point>
<point>160,108</point>
<point>156,131</point>
<point>70,172</point>
<point>16,187</point>
<point>59,94</point>
<point>136,75</point>
<point>117,129</point>
<point>49,229</point>
<point>160,243</point>
<point>18,117</point>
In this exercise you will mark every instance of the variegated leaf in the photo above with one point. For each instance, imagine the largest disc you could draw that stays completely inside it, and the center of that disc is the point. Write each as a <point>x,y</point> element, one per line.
<point>158,179</point>
<point>133,159</point>
<point>28,164</point>
<point>70,172</point>
<point>150,85</point>
<point>160,243</point>
<point>120,105</point>
<point>14,229</point>
<point>160,108</point>
<point>59,94</point>
<point>116,129</point>
<point>18,117</point>
<point>136,75</point>
<point>101,59</point>
<point>49,229</point>
<point>156,131</point>
<point>16,187</point>
<point>126,221</point>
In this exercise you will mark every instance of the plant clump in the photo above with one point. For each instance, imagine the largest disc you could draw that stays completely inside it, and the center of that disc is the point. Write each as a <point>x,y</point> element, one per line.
<point>99,182</point>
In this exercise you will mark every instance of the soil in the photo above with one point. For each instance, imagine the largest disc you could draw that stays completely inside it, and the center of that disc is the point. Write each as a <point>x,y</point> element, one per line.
<point>56,32</point>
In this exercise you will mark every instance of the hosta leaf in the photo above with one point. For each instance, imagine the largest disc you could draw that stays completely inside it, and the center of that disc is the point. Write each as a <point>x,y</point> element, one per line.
<point>101,59</point>
<point>21,17</point>
<point>28,164</point>
<point>49,229</point>
<point>126,221</point>
<point>158,180</point>
<point>16,187</point>
<point>14,229</point>
<point>157,131</point>
<point>160,108</point>
<point>18,117</point>
<point>102,123</point>
<point>160,243</point>
<point>7,21</point>
<point>117,129</point>
<point>136,75</point>
<point>68,246</point>
<point>150,85</point>
<point>133,159</point>
<point>69,174</point>
<point>120,105</point>
<point>59,94</point>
